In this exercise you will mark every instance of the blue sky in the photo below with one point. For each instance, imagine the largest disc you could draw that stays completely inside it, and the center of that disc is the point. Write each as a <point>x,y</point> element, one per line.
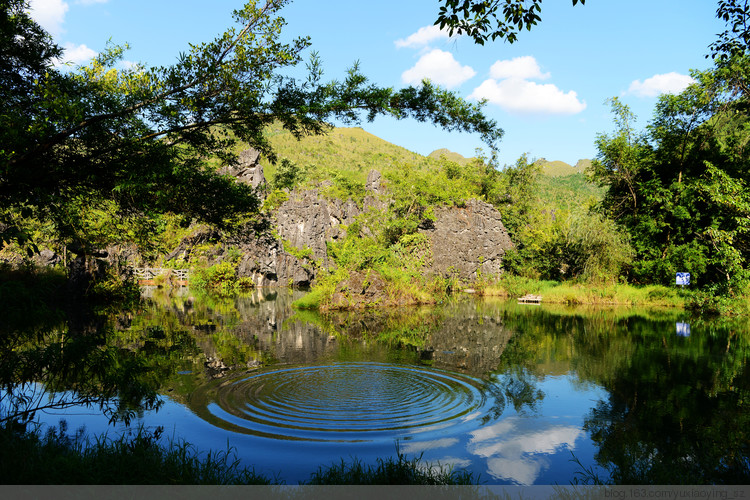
<point>547,90</point>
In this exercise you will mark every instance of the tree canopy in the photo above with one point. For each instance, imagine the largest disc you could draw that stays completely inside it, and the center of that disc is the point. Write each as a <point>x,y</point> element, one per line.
<point>485,20</point>
<point>680,187</point>
<point>482,21</point>
<point>140,141</point>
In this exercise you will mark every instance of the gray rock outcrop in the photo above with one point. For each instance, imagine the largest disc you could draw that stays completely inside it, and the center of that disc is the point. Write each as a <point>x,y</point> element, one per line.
<point>307,220</point>
<point>265,261</point>
<point>248,169</point>
<point>468,241</point>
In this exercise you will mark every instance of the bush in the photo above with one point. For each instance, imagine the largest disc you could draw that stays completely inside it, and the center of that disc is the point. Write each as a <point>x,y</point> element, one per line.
<point>220,279</point>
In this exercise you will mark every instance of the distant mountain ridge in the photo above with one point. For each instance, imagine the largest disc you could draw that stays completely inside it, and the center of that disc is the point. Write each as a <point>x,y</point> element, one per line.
<point>551,168</point>
<point>560,168</point>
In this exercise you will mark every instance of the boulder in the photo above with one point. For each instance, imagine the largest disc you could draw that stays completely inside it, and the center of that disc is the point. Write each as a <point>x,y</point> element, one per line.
<point>47,258</point>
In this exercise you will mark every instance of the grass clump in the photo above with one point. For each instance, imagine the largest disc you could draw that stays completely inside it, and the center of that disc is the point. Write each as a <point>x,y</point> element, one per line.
<point>390,471</point>
<point>56,458</point>
<point>142,458</point>
<point>325,287</point>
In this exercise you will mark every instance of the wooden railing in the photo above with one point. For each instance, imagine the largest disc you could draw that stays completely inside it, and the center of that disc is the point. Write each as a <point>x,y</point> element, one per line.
<point>148,275</point>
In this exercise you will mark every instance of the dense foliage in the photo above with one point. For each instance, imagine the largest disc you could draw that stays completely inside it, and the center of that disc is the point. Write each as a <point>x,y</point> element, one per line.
<point>680,187</point>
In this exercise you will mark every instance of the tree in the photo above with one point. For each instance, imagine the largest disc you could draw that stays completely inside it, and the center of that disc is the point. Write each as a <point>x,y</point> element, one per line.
<point>480,20</point>
<point>680,187</point>
<point>135,143</point>
<point>734,40</point>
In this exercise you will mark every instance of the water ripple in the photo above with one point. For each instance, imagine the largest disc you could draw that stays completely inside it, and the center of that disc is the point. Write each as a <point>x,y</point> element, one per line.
<point>342,402</point>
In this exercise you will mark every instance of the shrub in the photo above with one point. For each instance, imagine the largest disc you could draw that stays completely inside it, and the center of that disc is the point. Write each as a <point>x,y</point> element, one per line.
<point>220,279</point>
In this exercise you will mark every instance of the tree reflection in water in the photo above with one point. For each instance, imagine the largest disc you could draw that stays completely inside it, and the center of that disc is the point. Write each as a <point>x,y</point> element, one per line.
<point>678,408</point>
<point>84,359</point>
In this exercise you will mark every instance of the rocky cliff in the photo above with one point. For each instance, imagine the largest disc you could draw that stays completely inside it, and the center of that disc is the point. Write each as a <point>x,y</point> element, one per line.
<point>466,242</point>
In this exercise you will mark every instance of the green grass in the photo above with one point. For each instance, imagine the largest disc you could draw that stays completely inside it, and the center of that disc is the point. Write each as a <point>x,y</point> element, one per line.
<point>390,471</point>
<point>141,458</point>
<point>553,292</point>
<point>57,458</point>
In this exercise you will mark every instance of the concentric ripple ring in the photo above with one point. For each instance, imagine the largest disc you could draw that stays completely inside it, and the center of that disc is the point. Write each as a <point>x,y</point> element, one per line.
<point>343,402</point>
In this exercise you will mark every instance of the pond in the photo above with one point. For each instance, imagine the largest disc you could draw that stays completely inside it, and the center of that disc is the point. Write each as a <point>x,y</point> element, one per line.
<point>516,394</point>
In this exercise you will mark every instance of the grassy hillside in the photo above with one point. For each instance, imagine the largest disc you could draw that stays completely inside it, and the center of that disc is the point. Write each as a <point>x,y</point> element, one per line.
<point>352,153</point>
<point>449,155</point>
<point>345,150</point>
<point>557,168</point>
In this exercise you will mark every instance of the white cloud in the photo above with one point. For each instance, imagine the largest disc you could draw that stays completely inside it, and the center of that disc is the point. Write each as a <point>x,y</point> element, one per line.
<point>129,65</point>
<point>522,96</point>
<point>76,54</point>
<point>50,14</point>
<point>440,67</point>
<point>524,67</point>
<point>423,37</point>
<point>667,83</point>
<point>511,88</point>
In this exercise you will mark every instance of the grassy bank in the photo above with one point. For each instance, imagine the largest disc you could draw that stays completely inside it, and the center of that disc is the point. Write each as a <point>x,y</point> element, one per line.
<point>142,458</point>
<point>422,290</point>
<point>589,294</point>
<point>571,293</point>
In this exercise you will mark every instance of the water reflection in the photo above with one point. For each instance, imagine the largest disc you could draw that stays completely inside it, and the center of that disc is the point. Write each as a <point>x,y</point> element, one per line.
<point>509,392</point>
<point>515,448</point>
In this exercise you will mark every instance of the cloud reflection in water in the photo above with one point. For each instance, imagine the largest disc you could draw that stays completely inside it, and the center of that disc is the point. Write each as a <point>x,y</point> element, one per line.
<point>516,448</point>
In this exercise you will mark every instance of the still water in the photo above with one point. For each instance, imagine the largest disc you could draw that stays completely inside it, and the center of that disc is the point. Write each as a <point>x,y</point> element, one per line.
<point>516,394</point>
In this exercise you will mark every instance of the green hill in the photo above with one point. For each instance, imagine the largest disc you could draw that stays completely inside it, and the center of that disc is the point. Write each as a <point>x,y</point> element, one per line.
<point>449,155</point>
<point>348,151</point>
<point>348,155</point>
<point>557,168</point>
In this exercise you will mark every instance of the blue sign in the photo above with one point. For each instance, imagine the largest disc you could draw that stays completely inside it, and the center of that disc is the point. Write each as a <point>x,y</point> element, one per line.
<point>683,279</point>
<point>683,329</point>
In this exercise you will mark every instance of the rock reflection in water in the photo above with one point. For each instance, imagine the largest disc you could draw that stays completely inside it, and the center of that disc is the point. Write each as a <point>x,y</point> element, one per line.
<point>453,337</point>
